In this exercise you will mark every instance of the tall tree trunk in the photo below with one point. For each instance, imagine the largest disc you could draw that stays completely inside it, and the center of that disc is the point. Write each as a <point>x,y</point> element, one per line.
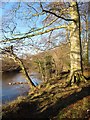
<point>41,69</point>
<point>75,40</point>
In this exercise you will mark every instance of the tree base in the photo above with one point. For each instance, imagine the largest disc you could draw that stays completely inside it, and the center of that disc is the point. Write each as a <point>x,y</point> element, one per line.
<point>76,78</point>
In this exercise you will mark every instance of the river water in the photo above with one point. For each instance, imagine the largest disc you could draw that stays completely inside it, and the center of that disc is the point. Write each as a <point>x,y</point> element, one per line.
<point>11,92</point>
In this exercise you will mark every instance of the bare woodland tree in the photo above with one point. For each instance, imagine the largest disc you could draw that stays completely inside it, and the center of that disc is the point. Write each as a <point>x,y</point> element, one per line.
<point>10,52</point>
<point>65,16</point>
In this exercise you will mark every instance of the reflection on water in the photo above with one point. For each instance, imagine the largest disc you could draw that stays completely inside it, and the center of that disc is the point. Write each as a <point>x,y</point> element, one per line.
<point>10,92</point>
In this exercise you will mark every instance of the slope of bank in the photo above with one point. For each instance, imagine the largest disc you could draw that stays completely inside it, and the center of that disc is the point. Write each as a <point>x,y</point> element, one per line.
<point>51,100</point>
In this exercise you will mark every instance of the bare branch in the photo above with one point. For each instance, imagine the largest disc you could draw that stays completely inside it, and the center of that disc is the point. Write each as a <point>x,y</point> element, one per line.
<point>34,30</point>
<point>36,34</point>
<point>48,11</point>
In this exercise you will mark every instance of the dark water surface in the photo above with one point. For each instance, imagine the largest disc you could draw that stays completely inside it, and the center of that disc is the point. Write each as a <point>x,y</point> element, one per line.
<point>11,92</point>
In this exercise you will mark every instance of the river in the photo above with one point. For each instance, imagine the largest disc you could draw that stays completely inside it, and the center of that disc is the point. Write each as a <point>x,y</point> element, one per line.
<point>11,92</point>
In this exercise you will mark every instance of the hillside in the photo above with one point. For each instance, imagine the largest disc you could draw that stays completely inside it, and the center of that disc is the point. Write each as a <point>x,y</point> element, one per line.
<point>59,54</point>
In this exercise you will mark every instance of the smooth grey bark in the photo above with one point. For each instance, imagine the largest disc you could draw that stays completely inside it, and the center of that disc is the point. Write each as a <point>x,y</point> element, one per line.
<point>75,40</point>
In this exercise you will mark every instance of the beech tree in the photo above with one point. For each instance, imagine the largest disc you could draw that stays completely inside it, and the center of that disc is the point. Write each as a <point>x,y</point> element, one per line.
<point>66,16</point>
<point>75,41</point>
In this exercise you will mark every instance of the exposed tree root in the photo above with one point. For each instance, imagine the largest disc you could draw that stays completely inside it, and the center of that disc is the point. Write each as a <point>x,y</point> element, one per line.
<point>76,78</point>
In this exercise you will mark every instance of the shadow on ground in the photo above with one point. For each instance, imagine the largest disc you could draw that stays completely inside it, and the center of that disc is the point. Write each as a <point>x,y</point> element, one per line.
<point>32,110</point>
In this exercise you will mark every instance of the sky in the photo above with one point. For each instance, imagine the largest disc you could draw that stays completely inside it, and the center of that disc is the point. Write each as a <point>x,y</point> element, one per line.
<point>23,25</point>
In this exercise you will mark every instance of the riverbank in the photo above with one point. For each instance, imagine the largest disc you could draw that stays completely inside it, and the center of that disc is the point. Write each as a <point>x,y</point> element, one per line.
<point>52,100</point>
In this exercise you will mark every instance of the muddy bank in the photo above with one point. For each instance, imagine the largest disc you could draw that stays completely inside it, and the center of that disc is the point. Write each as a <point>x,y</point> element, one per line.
<point>86,72</point>
<point>8,65</point>
<point>11,69</point>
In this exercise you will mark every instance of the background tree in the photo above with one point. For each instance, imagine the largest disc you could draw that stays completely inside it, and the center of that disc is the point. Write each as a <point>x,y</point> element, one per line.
<point>41,66</point>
